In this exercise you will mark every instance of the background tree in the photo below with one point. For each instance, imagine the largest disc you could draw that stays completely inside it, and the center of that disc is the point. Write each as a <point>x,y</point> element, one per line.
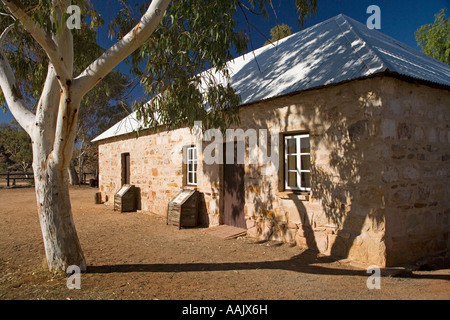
<point>279,32</point>
<point>171,44</point>
<point>102,107</point>
<point>15,144</point>
<point>4,160</point>
<point>434,39</point>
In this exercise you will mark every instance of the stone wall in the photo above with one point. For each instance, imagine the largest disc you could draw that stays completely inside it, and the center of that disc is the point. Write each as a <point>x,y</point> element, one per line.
<point>416,170</point>
<point>343,215</point>
<point>379,151</point>
<point>157,170</point>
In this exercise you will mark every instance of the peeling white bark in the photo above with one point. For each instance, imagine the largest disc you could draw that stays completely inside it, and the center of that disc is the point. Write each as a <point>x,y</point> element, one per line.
<point>62,247</point>
<point>11,90</point>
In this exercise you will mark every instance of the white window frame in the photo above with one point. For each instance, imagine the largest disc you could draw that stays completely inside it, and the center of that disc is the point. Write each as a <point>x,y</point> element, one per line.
<point>191,162</point>
<point>298,155</point>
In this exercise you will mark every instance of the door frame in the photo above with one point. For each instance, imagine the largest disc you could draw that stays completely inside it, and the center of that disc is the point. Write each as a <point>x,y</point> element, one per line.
<point>241,218</point>
<point>125,168</point>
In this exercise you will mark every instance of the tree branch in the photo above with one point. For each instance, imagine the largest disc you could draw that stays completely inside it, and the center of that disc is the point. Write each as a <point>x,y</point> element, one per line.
<point>47,111</point>
<point>39,34</point>
<point>122,49</point>
<point>7,15</point>
<point>63,39</point>
<point>11,91</point>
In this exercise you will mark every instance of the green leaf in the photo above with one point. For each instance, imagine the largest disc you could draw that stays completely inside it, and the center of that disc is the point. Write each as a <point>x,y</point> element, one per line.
<point>434,39</point>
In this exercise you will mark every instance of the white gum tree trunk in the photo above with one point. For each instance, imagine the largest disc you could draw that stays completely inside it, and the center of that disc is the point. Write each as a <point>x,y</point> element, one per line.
<point>53,141</point>
<point>52,129</point>
<point>62,246</point>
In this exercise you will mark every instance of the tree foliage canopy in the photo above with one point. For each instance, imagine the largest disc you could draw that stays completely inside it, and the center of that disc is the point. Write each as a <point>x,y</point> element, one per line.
<point>192,37</point>
<point>101,106</point>
<point>279,32</point>
<point>434,39</point>
<point>29,61</point>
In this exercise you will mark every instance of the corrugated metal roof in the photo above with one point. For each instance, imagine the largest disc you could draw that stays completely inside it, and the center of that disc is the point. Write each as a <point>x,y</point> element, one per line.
<point>333,51</point>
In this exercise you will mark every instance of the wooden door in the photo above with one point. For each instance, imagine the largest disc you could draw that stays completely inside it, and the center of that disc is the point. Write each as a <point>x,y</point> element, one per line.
<point>126,169</point>
<point>234,192</point>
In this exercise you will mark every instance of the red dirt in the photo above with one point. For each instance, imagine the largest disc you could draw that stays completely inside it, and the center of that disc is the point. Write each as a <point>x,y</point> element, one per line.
<point>137,256</point>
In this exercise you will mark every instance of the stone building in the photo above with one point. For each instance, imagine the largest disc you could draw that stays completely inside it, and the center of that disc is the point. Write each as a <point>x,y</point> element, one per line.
<point>359,131</point>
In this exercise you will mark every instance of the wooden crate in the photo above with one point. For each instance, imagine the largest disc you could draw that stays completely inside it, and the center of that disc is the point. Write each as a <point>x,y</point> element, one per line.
<point>125,199</point>
<point>183,209</point>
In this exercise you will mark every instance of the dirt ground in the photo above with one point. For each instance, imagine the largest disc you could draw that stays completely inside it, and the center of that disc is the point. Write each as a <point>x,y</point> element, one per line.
<point>137,256</point>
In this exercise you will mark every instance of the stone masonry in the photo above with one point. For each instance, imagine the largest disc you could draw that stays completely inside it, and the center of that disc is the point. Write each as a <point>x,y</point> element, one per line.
<point>380,168</point>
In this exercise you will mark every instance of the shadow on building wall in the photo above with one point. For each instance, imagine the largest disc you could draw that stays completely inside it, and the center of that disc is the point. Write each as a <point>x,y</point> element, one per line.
<point>346,198</point>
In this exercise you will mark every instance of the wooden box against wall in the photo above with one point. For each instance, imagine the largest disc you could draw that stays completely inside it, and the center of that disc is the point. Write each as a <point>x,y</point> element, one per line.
<point>183,209</point>
<point>125,199</point>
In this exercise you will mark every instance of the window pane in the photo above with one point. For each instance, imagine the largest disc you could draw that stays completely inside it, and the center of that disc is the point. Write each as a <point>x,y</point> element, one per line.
<point>195,168</point>
<point>190,178</point>
<point>292,180</point>
<point>306,177</point>
<point>292,162</point>
<point>194,181</point>
<point>291,146</point>
<point>304,145</point>
<point>194,154</point>
<point>306,162</point>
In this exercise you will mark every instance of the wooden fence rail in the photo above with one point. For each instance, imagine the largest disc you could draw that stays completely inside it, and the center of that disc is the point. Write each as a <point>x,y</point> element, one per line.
<point>13,176</point>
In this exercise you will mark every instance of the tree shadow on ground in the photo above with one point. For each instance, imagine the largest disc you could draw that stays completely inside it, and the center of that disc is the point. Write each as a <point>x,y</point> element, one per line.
<point>300,263</point>
<point>307,262</point>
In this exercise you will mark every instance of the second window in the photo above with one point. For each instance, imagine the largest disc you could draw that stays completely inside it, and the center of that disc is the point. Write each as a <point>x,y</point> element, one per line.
<point>191,166</point>
<point>297,164</point>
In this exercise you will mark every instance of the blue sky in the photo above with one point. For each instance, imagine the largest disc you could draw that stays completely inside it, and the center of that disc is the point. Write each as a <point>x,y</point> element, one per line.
<point>399,20</point>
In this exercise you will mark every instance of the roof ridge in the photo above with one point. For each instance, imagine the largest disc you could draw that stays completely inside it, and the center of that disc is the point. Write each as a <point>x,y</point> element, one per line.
<point>404,46</point>
<point>342,20</point>
<point>383,53</point>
